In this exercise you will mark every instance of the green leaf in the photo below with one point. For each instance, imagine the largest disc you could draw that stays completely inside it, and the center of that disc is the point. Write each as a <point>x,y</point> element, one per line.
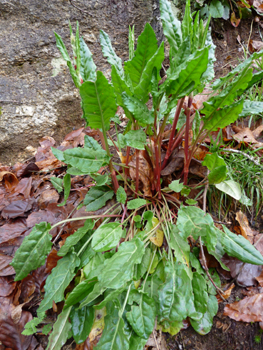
<point>152,286</point>
<point>219,9</point>
<point>101,179</point>
<point>94,266</point>
<point>223,117</point>
<point>67,186</point>
<point>76,237</point>
<point>230,187</point>
<point>33,251</point>
<point>111,296</point>
<point>113,336</point>
<point>176,186</point>
<point>138,109</point>
<point>131,42</point>
<point>80,292</point>
<point>251,108</point>
<point>98,102</point>
<point>142,316</point>
<point>86,159</point>
<point>187,22</point>
<point>91,143</point>
<point>200,293</point>
<point>136,203</point>
<point>135,139</point>
<point>120,86</point>
<point>240,248</point>
<point>47,328</point>
<point>109,53</point>
<point>136,342</point>
<point>217,167</point>
<point>57,183</point>
<point>180,246</point>
<point>87,66</point>
<point>171,25</point>
<point>146,47</point>
<point>97,197</point>
<point>62,48</point>
<point>94,294</point>
<point>30,327</point>
<point>60,332</point>
<point>121,195</point>
<point>82,321</point>
<point>119,268</point>
<point>106,237</point>
<point>58,154</point>
<point>58,281</point>
<point>144,265</point>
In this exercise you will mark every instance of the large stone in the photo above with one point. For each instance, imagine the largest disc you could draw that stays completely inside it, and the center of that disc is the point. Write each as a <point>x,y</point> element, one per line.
<point>37,95</point>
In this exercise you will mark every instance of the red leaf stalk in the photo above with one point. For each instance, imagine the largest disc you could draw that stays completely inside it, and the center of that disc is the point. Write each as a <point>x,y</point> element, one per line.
<point>186,145</point>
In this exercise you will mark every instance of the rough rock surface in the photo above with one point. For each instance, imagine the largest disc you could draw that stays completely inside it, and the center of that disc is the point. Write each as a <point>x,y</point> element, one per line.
<point>37,95</point>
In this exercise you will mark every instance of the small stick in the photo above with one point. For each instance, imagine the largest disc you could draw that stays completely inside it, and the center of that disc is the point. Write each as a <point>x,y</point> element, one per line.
<point>252,159</point>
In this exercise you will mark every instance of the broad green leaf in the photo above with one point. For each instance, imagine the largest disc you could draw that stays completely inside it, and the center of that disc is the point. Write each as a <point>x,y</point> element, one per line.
<point>63,50</point>
<point>91,143</point>
<point>219,9</point>
<point>67,186</point>
<point>75,171</point>
<point>101,179</point>
<point>131,42</point>
<point>251,108</point>
<point>136,139</point>
<point>120,86</point>
<point>94,294</point>
<point>180,246</point>
<point>230,187</point>
<point>143,88</point>
<point>80,292</point>
<point>94,266</point>
<point>210,287</point>
<point>138,109</point>
<point>121,195</point>
<point>187,25</point>
<point>107,236</point>
<point>142,316</point>
<point>58,154</point>
<point>204,325</point>
<point>257,77</point>
<point>239,247</point>
<point>136,203</point>
<point>176,186</point>
<point>136,342</point>
<point>57,183</point>
<point>173,329</point>
<point>109,53</point>
<point>223,117</point>
<point>181,55</point>
<point>209,74</point>
<point>146,47</point>
<point>87,66</point>
<point>33,251</point>
<point>86,159</point>
<point>171,25</point>
<point>113,336</point>
<point>60,332</point>
<point>110,295</point>
<point>97,197</point>
<point>144,265</point>
<point>200,293</point>
<point>184,81</point>
<point>152,286</point>
<point>119,269</point>
<point>98,102</point>
<point>73,239</point>
<point>217,167</point>
<point>58,281</point>
<point>86,255</point>
<point>81,321</point>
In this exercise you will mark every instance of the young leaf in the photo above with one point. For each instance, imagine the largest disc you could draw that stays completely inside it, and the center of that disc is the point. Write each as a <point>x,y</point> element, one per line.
<point>58,281</point>
<point>101,180</point>
<point>121,195</point>
<point>142,316</point>
<point>86,159</point>
<point>119,269</point>
<point>91,143</point>
<point>136,139</point>
<point>146,48</point>
<point>239,247</point>
<point>109,53</point>
<point>176,186</point>
<point>230,187</point>
<point>138,109</point>
<point>30,327</point>
<point>82,321</point>
<point>98,102</point>
<point>57,183</point>
<point>87,66</point>
<point>67,186</point>
<point>106,237</point>
<point>33,251</point>
<point>120,86</point>
<point>131,42</point>
<point>80,292</point>
<point>73,239</point>
<point>204,325</point>
<point>60,332</point>
<point>251,108</point>
<point>113,336</point>
<point>217,167</point>
<point>171,25</point>
<point>219,9</point>
<point>136,203</point>
<point>97,197</point>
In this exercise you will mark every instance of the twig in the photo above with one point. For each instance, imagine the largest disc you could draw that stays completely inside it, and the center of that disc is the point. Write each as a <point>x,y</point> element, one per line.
<point>252,159</point>
<point>78,8</point>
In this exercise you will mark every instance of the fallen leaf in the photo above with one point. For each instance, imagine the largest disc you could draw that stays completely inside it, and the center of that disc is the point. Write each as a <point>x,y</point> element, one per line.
<point>255,45</point>
<point>47,197</point>
<point>246,230</point>
<point>13,230</point>
<point>7,286</point>
<point>234,21</point>
<point>16,209</point>
<point>246,135</point>
<point>258,5</point>
<point>10,180</point>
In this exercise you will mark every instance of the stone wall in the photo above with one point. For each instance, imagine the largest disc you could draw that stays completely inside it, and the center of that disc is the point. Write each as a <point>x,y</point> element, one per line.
<point>37,95</point>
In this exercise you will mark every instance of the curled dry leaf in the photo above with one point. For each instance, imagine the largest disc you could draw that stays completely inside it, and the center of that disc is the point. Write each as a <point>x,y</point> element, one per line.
<point>10,180</point>
<point>234,21</point>
<point>246,230</point>
<point>250,309</point>
<point>255,45</point>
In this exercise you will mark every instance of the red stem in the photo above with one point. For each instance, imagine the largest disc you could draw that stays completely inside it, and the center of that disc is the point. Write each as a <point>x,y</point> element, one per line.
<point>158,172</point>
<point>137,171</point>
<point>186,145</point>
<point>175,121</point>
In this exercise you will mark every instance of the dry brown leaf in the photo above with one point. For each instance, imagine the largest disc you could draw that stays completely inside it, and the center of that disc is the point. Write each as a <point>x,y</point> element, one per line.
<point>246,230</point>
<point>246,135</point>
<point>255,45</point>
<point>10,180</point>
<point>258,5</point>
<point>47,197</point>
<point>7,286</point>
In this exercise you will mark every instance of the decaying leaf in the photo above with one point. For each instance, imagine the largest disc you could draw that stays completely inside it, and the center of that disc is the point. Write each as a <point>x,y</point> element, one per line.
<point>246,135</point>
<point>246,230</point>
